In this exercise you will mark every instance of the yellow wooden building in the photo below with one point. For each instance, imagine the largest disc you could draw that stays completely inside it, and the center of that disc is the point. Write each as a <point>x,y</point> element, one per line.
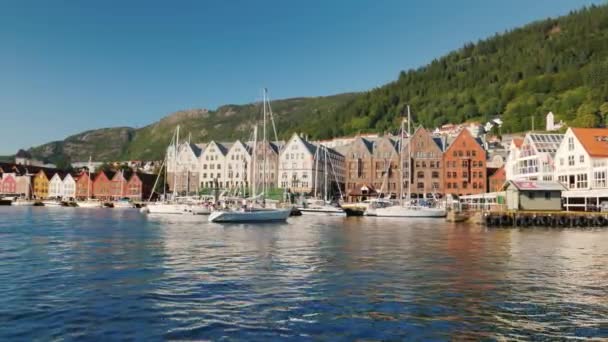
<point>41,184</point>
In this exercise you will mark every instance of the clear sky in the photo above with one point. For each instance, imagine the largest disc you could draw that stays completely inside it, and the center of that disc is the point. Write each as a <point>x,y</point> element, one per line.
<point>69,66</point>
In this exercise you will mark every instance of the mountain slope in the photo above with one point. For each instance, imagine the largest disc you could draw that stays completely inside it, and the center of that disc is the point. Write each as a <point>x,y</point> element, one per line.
<point>558,65</point>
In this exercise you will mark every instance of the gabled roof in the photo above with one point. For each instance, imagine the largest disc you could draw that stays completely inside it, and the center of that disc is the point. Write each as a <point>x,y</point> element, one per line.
<point>196,150</point>
<point>109,174</point>
<point>535,186</point>
<point>594,140</point>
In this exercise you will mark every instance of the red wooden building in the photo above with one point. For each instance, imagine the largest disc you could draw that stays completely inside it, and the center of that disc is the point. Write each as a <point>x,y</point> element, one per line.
<point>497,179</point>
<point>82,182</point>
<point>465,166</point>
<point>8,184</point>
<point>103,185</point>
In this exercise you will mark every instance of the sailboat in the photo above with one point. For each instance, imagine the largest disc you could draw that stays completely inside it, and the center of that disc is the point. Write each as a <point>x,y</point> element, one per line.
<point>316,205</point>
<point>168,207</point>
<point>254,213</point>
<point>89,202</point>
<point>405,209</point>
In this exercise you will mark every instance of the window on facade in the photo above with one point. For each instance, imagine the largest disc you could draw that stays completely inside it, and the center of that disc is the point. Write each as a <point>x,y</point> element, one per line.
<point>474,185</point>
<point>465,163</point>
<point>599,179</point>
<point>531,195</point>
<point>561,161</point>
<point>581,159</point>
<point>420,185</point>
<point>465,174</point>
<point>435,174</point>
<point>570,144</point>
<point>581,181</point>
<point>464,185</point>
<point>474,153</point>
<point>571,160</point>
<point>420,174</point>
<point>449,175</point>
<point>449,185</point>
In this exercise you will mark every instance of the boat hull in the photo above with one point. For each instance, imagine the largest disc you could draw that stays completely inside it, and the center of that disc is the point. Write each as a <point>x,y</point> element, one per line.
<point>255,216</point>
<point>398,211</point>
<point>89,204</point>
<point>322,211</point>
<point>166,209</point>
<point>23,203</point>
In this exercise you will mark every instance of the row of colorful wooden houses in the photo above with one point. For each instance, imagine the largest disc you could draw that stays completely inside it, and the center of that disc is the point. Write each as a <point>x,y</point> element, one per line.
<point>45,183</point>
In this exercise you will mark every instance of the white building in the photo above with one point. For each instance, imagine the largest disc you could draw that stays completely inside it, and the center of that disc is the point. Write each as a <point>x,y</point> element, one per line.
<point>69,187</point>
<point>56,186</point>
<point>183,171</point>
<point>550,125</point>
<point>213,165</point>
<point>238,166</point>
<point>302,166</point>
<point>534,159</point>
<point>62,186</point>
<point>582,167</point>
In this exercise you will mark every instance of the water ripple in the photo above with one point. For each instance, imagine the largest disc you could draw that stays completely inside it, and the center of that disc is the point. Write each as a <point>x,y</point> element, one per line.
<point>109,274</point>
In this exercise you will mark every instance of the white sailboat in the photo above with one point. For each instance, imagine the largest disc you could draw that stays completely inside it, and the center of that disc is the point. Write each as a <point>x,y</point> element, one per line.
<point>317,206</point>
<point>89,202</point>
<point>405,209</point>
<point>255,213</point>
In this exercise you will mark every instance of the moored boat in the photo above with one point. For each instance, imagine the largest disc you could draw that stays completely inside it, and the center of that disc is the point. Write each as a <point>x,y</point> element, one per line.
<point>89,203</point>
<point>255,215</point>
<point>23,202</point>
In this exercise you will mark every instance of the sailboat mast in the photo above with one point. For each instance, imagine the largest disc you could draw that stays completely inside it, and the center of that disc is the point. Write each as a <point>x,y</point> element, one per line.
<point>254,162</point>
<point>175,162</point>
<point>325,170</point>
<point>89,179</point>
<point>264,144</point>
<point>316,156</point>
<point>409,154</point>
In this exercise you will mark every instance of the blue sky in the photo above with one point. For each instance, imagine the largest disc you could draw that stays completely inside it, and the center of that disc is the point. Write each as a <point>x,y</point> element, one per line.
<point>69,66</point>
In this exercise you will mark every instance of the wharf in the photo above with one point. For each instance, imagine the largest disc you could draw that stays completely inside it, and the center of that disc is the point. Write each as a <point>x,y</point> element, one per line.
<point>562,219</point>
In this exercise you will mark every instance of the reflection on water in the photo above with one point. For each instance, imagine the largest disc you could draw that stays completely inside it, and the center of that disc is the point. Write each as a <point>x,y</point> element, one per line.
<point>108,274</point>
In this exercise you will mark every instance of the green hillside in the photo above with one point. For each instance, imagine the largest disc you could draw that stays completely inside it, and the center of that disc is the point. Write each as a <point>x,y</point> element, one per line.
<point>558,65</point>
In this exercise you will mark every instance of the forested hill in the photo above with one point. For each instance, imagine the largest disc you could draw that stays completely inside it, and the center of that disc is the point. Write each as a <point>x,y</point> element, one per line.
<point>558,65</point>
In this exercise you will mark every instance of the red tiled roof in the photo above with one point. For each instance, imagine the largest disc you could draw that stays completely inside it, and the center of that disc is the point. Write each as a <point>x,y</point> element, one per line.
<point>594,140</point>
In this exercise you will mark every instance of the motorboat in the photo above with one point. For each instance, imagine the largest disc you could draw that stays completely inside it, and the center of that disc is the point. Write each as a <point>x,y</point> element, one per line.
<point>165,208</point>
<point>123,204</point>
<point>89,203</point>
<point>23,202</point>
<point>52,203</point>
<point>407,211</point>
<point>253,215</point>
<point>320,207</point>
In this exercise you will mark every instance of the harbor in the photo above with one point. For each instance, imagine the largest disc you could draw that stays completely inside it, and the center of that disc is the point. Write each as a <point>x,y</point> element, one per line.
<point>76,273</point>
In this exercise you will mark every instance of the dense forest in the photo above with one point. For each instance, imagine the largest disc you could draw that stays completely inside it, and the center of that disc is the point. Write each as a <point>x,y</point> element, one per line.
<point>558,65</point>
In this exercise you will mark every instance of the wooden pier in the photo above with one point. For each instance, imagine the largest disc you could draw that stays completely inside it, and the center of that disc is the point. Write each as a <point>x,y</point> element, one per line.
<point>556,219</point>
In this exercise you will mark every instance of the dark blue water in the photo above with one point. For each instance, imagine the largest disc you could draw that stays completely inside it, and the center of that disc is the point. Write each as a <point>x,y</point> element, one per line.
<point>72,274</point>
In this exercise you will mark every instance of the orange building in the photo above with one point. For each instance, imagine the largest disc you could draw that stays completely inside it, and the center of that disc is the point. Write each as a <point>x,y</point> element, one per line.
<point>465,166</point>
<point>82,183</point>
